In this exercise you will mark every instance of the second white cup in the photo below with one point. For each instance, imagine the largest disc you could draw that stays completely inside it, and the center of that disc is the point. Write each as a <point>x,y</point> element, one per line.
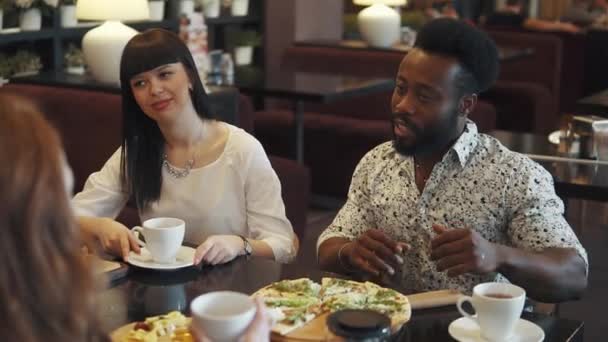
<point>164,237</point>
<point>498,307</point>
<point>223,315</point>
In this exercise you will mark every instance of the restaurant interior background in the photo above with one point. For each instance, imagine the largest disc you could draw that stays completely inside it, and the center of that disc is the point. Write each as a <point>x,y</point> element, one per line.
<point>546,79</point>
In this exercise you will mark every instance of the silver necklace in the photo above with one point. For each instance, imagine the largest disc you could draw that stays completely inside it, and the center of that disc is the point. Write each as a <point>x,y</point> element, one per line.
<point>176,172</point>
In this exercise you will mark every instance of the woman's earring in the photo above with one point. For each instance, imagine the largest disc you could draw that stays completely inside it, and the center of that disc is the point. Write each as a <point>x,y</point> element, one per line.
<point>190,87</point>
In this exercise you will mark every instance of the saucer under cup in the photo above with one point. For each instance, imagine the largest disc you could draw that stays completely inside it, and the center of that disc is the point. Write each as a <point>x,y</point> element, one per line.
<point>164,237</point>
<point>498,307</point>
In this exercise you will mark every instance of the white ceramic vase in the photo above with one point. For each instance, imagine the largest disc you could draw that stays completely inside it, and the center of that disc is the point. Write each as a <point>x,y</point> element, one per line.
<point>157,10</point>
<point>68,15</point>
<point>243,55</point>
<point>379,25</point>
<point>239,7</point>
<point>186,7</point>
<point>30,20</point>
<point>211,8</point>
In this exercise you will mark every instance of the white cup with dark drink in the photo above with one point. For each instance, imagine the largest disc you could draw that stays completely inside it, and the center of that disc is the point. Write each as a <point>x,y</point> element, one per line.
<point>497,306</point>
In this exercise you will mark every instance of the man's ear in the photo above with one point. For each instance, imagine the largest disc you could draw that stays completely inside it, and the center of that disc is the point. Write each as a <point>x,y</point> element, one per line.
<point>467,105</point>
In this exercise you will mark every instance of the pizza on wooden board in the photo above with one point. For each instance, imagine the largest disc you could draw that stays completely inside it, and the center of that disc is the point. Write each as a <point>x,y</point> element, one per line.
<point>294,303</point>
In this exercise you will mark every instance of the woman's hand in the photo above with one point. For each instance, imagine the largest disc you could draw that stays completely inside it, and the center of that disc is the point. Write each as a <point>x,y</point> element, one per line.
<point>112,236</point>
<point>219,249</point>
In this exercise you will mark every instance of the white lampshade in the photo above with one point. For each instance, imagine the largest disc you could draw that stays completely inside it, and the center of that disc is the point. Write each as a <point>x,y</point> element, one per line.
<point>102,46</point>
<point>112,10</point>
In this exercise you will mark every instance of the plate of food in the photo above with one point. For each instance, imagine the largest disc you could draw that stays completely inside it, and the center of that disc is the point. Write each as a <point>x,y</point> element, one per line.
<point>300,306</point>
<point>171,327</point>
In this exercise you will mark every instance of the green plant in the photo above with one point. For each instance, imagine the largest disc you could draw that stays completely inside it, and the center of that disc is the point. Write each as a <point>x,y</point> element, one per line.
<point>25,61</point>
<point>73,57</point>
<point>243,38</point>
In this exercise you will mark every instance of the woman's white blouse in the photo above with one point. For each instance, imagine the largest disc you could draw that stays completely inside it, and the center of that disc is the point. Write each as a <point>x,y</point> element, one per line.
<point>239,193</point>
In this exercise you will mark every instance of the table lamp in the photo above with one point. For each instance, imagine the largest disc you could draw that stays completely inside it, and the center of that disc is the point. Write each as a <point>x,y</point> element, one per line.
<point>103,45</point>
<point>379,24</point>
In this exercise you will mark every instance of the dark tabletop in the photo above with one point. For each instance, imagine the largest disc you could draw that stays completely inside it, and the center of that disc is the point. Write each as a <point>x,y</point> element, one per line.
<point>307,86</point>
<point>144,293</point>
<point>574,177</point>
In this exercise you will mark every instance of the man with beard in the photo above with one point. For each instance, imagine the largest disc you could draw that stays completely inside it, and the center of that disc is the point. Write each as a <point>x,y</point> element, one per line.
<point>442,206</point>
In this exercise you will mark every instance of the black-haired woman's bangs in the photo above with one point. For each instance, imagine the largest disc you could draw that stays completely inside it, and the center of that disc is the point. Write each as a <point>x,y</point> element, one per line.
<point>143,56</point>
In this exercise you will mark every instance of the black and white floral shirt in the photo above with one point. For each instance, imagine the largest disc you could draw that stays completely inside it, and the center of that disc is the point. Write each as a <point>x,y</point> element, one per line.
<point>479,184</point>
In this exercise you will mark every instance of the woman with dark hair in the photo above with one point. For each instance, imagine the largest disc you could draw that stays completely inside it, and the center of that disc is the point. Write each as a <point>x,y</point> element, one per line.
<point>45,284</point>
<point>175,160</point>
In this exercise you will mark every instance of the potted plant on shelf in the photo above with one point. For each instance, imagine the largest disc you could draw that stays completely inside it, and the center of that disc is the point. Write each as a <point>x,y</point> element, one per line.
<point>74,60</point>
<point>31,11</point>
<point>157,9</point>
<point>243,43</point>
<point>25,63</point>
<point>211,8</point>
<point>239,7</point>
<point>67,11</point>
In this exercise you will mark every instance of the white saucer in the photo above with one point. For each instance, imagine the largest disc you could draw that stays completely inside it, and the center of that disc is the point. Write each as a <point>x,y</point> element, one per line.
<point>465,329</point>
<point>185,258</point>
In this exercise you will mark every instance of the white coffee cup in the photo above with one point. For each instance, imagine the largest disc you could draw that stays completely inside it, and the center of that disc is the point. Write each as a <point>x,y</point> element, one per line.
<point>498,307</point>
<point>164,237</point>
<point>222,315</point>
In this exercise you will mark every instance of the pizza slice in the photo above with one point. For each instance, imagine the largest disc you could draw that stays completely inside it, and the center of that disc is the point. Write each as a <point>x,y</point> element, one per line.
<point>291,303</point>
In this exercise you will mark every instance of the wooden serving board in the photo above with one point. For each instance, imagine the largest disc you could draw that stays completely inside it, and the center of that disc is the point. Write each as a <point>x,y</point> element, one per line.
<point>316,330</point>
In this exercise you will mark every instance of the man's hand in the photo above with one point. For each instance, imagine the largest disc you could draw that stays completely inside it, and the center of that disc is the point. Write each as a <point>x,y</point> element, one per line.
<point>374,252</point>
<point>460,251</point>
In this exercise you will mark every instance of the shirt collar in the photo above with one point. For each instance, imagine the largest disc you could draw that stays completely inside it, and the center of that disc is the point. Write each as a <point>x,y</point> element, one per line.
<point>466,143</point>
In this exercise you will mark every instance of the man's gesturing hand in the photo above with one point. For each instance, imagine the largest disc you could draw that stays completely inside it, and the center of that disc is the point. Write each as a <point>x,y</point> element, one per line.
<point>374,252</point>
<point>460,251</point>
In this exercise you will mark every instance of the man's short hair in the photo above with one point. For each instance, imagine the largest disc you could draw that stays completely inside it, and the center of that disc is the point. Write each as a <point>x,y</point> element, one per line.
<point>475,51</point>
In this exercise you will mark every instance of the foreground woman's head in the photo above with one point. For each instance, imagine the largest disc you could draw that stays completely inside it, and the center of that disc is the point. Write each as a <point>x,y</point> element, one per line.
<point>45,287</point>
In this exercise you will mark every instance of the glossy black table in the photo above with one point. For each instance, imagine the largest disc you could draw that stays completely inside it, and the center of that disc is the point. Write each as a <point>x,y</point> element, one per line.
<point>574,177</point>
<point>300,87</point>
<point>144,293</point>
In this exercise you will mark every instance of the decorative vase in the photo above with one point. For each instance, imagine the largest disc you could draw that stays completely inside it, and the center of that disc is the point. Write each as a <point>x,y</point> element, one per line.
<point>211,8</point>
<point>68,15</point>
<point>239,7</point>
<point>157,10</point>
<point>30,20</point>
<point>243,55</point>
<point>379,25</point>
<point>186,7</point>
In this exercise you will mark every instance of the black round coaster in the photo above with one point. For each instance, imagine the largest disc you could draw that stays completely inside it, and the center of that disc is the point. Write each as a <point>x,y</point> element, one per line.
<point>360,325</point>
